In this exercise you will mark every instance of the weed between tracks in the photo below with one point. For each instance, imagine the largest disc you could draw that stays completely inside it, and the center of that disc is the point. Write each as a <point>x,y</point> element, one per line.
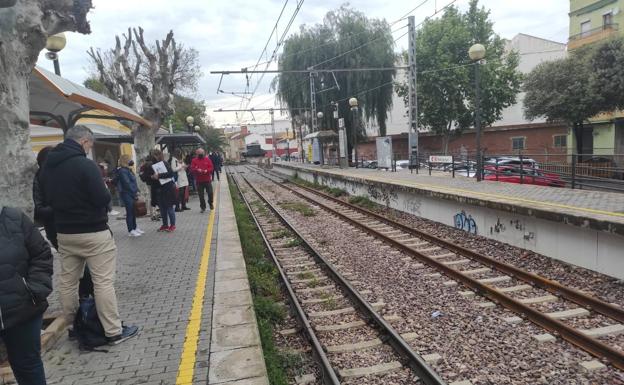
<point>362,201</point>
<point>302,208</point>
<point>267,296</point>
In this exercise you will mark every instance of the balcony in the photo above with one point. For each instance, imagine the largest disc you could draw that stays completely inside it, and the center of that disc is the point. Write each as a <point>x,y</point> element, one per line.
<point>592,36</point>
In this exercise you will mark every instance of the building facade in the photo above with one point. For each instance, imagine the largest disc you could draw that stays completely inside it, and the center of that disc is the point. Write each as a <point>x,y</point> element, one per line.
<point>593,22</point>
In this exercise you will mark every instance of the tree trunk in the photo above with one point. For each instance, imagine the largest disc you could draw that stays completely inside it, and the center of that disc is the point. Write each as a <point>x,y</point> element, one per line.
<point>24,28</point>
<point>578,134</point>
<point>144,142</point>
<point>17,165</point>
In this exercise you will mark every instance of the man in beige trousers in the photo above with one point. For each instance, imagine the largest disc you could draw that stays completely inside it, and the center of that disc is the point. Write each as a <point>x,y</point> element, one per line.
<point>79,198</point>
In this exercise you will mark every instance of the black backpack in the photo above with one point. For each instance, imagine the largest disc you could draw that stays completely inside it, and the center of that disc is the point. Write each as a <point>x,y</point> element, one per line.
<point>87,326</point>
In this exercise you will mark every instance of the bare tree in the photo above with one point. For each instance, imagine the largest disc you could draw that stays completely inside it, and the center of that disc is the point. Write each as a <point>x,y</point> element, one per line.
<point>150,72</point>
<point>24,28</point>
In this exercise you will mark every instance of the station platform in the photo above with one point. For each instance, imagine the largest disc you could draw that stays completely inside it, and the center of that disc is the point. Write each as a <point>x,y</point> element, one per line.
<point>582,227</point>
<point>188,292</point>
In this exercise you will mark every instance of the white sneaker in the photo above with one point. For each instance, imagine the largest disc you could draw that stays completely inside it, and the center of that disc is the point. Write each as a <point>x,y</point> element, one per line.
<point>114,212</point>
<point>134,233</point>
<point>141,232</point>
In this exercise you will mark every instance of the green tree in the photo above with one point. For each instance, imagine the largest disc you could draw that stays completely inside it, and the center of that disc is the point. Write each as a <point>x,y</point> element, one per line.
<point>446,78</point>
<point>369,43</point>
<point>183,108</point>
<point>215,140</point>
<point>563,90</point>
<point>96,85</point>
<point>607,65</point>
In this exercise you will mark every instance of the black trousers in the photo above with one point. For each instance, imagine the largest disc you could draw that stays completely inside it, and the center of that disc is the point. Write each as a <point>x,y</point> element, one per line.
<point>23,344</point>
<point>207,186</point>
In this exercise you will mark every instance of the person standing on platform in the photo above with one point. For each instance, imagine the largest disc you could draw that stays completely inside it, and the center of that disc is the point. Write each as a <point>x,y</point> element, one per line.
<point>25,284</point>
<point>216,163</point>
<point>128,193</point>
<point>74,186</point>
<point>202,168</point>
<point>43,211</point>
<point>163,175</point>
<point>178,165</point>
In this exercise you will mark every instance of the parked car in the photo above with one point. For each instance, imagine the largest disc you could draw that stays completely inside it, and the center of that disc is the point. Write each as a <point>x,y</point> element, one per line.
<point>511,174</point>
<point>512,161</point>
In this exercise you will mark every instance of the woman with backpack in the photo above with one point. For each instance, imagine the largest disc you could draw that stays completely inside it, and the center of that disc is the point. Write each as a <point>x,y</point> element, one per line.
<point>25,284</point>
<point>128,193</point>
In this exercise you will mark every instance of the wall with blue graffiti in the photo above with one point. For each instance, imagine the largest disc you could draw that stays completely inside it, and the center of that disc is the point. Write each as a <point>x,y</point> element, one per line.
<point>465,222</point>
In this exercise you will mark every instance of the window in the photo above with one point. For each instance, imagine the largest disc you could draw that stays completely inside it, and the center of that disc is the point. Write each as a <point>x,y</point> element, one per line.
<point>517,143</point>
<point>585,28</point>
<point>607,19</point>
<point>560,140</point>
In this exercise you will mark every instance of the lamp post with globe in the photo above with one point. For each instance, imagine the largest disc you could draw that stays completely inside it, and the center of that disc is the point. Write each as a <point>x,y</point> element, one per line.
<point>54,45</point>
<point>477,54</point>
<point>353,102</point>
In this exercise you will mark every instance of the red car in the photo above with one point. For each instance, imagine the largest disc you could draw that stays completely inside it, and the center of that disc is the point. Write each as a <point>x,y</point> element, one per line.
<point>512,174</point>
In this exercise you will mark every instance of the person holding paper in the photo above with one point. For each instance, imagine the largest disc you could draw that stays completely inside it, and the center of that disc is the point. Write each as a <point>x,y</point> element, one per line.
<point>166,201</point>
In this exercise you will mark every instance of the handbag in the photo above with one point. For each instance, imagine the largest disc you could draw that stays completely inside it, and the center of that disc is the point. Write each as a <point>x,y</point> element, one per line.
<point>140,208</point>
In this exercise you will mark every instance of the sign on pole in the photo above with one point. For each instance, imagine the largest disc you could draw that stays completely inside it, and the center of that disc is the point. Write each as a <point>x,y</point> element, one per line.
<point>384,152</point>
<point>342,143</point>
<point>440,159</point>
<point>341,123</point>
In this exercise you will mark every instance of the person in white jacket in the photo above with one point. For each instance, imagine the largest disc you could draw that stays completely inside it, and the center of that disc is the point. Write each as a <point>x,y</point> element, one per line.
<point>178,166</point>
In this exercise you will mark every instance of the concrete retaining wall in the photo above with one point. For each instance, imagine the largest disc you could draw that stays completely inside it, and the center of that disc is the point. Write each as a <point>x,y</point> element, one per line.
<point>593,249</point>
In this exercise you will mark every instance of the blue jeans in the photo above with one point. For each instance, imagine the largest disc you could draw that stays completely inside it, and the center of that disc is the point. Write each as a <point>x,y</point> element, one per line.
<point>23,344</point>
<point>128,202</point>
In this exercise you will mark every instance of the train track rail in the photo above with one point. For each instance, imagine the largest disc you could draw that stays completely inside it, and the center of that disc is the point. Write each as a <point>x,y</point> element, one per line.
<point>450,257</point>
<point>301,265</point>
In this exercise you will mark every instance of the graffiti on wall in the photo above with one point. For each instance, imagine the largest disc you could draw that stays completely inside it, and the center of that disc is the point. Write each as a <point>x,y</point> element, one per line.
<point>412,206</point>
<point>465,222</point>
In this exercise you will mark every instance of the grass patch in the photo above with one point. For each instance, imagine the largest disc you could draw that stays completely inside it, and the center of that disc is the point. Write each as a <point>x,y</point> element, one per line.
<point>314,283</point>
<point>299,207</point>
<point>266,292</point>
<point>362,201</point>
<point>280,234</point>
<point>334,191</point>
<point>305,275</point>
<point>329,302</point>
<point>293,243</point>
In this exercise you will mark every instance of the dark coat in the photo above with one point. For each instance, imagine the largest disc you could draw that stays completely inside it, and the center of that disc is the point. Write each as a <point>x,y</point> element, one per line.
<point>74,187</point>
<point>25,269</point>
<point>126,182</point>
<point>167,191</point>
<point>44,213</point>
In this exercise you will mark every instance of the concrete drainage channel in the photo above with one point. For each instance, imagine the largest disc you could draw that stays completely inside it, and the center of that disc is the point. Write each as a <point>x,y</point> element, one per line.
<point>444,256</point>
<point>313,284</point>
<point>54,325</point>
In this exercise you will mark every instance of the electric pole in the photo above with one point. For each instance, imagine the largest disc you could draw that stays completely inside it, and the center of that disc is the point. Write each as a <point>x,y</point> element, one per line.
<point>313,102</point>
<point>271,112</point>
<point>413,100</point>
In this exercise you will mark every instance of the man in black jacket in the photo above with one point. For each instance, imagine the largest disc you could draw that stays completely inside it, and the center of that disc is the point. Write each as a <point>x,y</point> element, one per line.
<point>25,283</point>
<point>74,187</point>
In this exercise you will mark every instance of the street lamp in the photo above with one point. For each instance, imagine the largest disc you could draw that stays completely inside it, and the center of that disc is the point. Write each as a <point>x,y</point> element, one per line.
<point>189,121</point>
<point>197,128</point>
<point>320,115</point>
<point>353,102</point>
<point>54,45</point>
<point>476,54</point>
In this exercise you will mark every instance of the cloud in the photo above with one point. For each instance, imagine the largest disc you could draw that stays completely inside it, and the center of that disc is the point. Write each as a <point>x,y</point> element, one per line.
<point>231,34</point>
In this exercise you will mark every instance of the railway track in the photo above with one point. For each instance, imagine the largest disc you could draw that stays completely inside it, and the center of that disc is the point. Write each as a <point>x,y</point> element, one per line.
<point>341,326</point>
<point>465,266</point>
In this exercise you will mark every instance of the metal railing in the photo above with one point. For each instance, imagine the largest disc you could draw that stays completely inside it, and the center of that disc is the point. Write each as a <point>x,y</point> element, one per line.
<point>594,31</point>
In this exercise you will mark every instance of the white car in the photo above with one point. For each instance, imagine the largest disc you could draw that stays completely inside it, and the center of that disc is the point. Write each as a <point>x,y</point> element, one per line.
<point>527,163</point>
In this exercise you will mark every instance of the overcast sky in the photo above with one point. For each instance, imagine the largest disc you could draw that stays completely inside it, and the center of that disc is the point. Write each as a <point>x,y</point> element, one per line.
<point>230,35</point>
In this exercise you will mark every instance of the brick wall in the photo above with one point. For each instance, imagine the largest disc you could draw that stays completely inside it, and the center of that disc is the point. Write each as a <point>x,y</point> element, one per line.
<point>539,143</point>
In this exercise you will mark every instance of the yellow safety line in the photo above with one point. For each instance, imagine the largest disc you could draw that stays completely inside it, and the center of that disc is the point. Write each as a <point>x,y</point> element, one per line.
<point>187,362</point>
<point>492,195</point>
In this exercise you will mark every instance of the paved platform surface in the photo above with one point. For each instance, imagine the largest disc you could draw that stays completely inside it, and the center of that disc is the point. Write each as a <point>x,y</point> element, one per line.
<point>166,285</point>
<point>598,206</point>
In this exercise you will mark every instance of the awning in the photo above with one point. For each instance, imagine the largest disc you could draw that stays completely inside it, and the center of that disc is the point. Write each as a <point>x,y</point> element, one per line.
<point>55,98</point>
<point>179,139</point>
